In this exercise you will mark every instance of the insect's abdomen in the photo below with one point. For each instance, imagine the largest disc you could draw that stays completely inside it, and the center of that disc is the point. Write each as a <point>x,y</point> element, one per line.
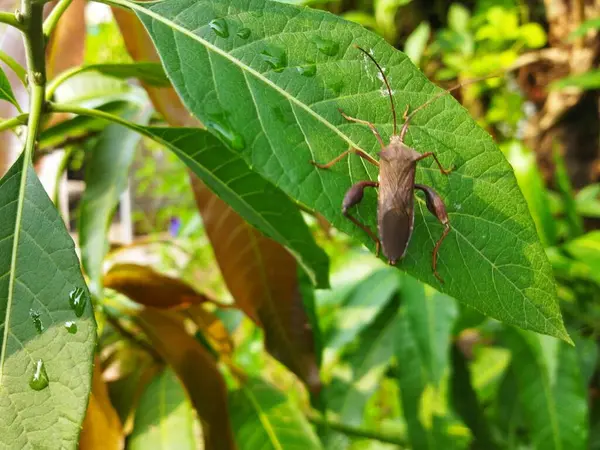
<point>395,227</point>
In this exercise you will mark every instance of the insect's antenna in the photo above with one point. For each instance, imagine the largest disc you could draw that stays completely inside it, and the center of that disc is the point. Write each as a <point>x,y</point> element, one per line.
<point>447,91</point>
<point>384,80</point>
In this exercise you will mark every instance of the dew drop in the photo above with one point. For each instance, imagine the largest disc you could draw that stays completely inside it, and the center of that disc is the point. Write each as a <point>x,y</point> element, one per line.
<point>39,379</point>
<point>327,47</point>
<point>35,316</point>
<point>78,300</point>
<point>276,58</point>
<point>71,327</point>
<point>221,125</point>
<point>308,71</point>
<point>244,33</point>
<point>220,27</point>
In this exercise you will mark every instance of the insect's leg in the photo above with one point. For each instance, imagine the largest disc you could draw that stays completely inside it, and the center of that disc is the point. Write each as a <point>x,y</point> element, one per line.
<point>352,198</point>
<point>343,155</point>
<point>428,154</point>
<point>436,206</point>
<point>364,122</point>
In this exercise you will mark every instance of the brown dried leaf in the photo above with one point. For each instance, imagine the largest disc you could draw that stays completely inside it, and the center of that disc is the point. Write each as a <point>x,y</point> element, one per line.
<point>213,329</point>
<point>102,428</point>
<point>198,372</point>
<point>144,285</point>
<point>263,280</point>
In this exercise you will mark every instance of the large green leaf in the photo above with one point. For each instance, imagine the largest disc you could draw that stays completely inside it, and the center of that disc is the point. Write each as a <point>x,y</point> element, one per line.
<point>269,78</point>
<point>106,178</point>
<point>259,202</point>
<point>551,390</point>
<point>47,328</point>
<point>164,418</point>
<point>265,419</point>
<point>423,337</point>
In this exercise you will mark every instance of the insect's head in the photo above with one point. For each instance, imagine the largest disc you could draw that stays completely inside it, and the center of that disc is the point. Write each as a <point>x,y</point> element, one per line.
<point>385,80</point>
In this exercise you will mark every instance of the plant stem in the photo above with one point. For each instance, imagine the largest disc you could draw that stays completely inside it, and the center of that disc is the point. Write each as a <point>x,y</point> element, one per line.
<point>10,19</point>
<point>61,78</point>
<point>14,122</point>
<point>54,17</point>
<point>358,432</point>
<point>36,70</point>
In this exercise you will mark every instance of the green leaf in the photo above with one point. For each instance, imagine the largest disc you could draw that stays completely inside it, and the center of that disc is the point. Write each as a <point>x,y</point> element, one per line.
<point>586,81</point>
<point>106,178</point>
<point>563,184</point>
<point>416,42</point>
<point>164,418</point>
<point>550,389</point>
<point>6,92</point>
<point>458,18</point>
<point>274,94</point>
<point>586,249</point>
<point>362,307</point>
<point>465,402</point>
<point>423,337</point>
<point>148,72</point>
<point>532,186</point>
<point>45,371</point>
<point>259,202</point>
<point>361,366</point>
<point>533,35</point>
<point>265,419</point>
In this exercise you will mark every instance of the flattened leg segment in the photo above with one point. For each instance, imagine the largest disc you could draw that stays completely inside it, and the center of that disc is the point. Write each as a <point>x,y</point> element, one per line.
<point>436,206</point>
<point>353,197</point>
<point>343,155</point>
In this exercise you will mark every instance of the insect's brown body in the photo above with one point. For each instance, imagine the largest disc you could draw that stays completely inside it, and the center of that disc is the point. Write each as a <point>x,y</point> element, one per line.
<point>396,183</point>
<point>397,165</point>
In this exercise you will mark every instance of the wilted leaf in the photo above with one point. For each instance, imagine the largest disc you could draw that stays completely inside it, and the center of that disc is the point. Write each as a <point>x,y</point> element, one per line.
<point>197,371</point>
<point>165,418</point>
<point>47,328</point>
<point>261,276</point>
<point>273,94</point>
<point>147,287</point>
<point>263,418</point>
<point>102,428</point>
<point>212,329</point>
<point>551,390</point>
<point>106,177</point>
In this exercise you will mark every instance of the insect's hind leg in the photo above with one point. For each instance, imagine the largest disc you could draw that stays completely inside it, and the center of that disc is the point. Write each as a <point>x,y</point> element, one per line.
<point>353,197</point>
<point>436,206</point>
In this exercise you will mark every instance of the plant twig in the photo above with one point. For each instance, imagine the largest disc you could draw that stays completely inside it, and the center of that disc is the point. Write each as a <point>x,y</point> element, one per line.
<point>358,432</point>
<point>61,78</point>
<point>10,19</point>
<point>54,17</point>
<point>13,122</point>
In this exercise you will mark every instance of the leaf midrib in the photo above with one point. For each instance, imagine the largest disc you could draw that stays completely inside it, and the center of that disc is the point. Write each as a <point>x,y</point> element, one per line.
<point>264,419</point>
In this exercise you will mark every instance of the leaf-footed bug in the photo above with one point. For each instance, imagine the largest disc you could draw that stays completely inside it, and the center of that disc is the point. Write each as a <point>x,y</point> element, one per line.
<point>396,182</point>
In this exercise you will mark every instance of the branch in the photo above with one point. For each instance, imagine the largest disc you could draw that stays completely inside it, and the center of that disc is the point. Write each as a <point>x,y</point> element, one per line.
<point>11,19</point>
<point>53,18</point>
<point>14,122</point>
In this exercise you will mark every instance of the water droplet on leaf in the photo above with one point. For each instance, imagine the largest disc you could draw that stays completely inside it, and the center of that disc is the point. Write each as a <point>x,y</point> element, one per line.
<point>77,300</point>
<point>219,26</point>
<point>244,33</point>
<point>275,58</point>
<point>39,379</point>
<point>220,124</point>
<point>35,316</point>
<point>308,71</point>
<point>326,46</point>
<point>71,327</point>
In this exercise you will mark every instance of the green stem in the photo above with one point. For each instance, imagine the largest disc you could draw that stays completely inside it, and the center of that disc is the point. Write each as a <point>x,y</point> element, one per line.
<point>61,78</point>
<point>358,432</point>
<point>14,122</point>
<point>17,68</point>
<point>10,19</point>
<point>54,17</point>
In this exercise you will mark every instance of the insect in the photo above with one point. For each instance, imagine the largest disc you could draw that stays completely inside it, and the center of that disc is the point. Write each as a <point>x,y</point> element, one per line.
<point>396,183</point>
